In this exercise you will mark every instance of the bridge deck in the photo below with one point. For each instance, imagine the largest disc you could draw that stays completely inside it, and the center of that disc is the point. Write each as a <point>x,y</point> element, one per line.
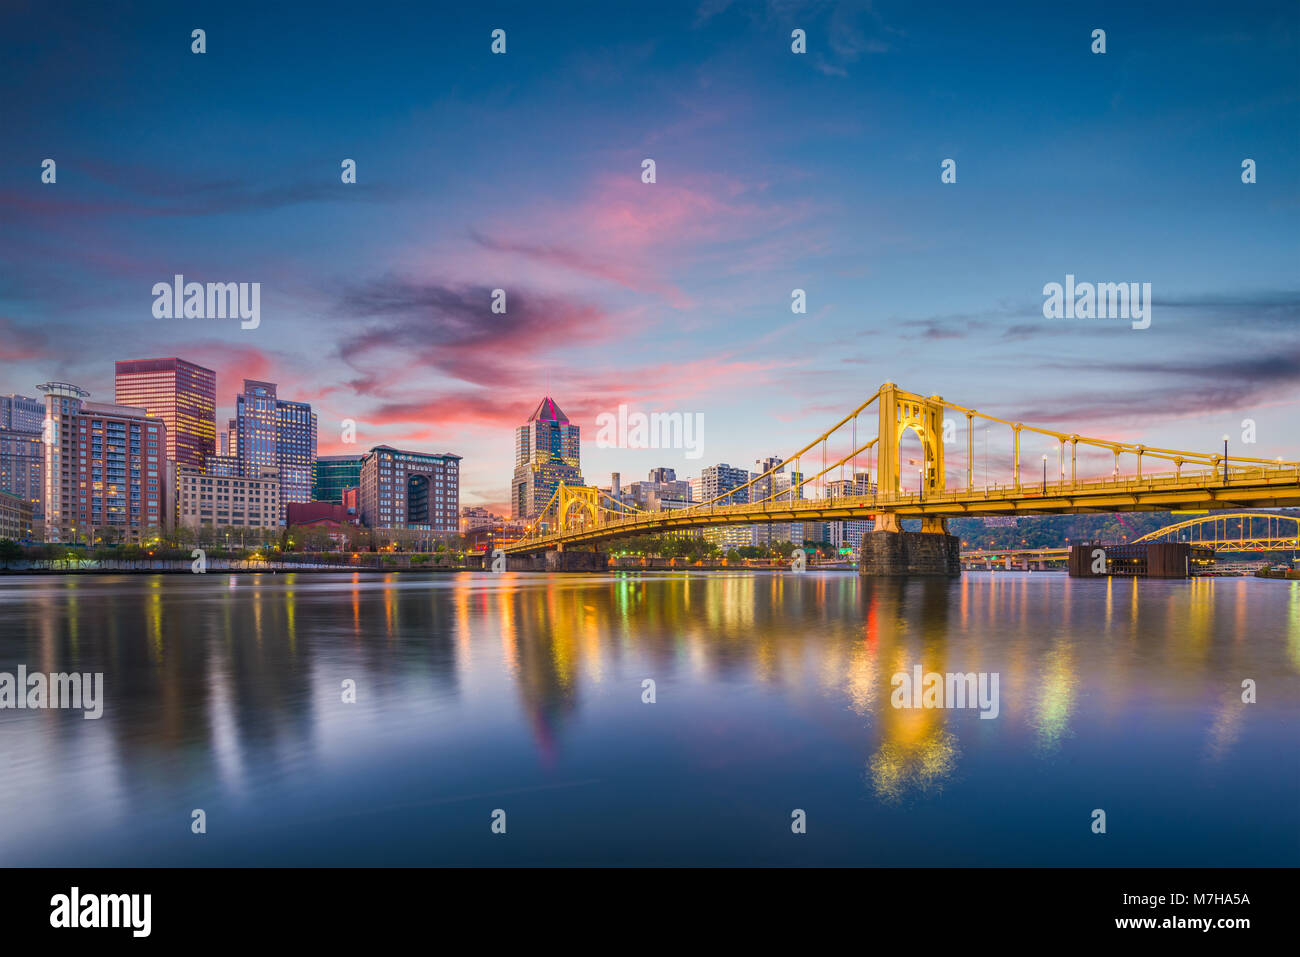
<point>1260,487</point>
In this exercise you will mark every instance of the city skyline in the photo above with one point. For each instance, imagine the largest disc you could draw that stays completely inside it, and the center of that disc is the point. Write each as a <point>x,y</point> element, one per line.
<point>729,434</point>
<point>775,173</point>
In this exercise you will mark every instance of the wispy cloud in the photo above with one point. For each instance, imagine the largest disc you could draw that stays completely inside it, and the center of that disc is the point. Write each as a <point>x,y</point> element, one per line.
<point>18,342</point>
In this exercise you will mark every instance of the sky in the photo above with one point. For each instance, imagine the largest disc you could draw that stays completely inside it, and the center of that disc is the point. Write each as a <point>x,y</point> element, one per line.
<point>775,171</point>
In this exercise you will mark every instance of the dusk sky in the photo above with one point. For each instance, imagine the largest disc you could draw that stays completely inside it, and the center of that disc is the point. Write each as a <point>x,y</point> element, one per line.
<point>775,171</point>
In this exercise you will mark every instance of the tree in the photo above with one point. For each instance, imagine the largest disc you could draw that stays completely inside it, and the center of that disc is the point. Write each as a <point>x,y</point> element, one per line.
<point>9,551</point>
<point>784,549</point>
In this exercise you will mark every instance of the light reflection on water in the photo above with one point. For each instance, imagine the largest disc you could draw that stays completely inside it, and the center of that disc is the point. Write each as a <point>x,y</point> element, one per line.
<point>773,693</point>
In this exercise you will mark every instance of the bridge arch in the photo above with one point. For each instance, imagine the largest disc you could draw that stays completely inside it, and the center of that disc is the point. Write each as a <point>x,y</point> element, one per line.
<point>900,413</point>
<point>1256,531</point>
<point>581,502</point>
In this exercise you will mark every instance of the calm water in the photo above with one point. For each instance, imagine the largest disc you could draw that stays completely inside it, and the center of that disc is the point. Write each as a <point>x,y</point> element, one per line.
<point>524,693</point>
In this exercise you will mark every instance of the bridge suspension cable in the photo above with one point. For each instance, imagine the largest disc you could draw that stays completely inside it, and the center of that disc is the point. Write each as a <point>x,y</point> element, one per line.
<point>1197,479</point>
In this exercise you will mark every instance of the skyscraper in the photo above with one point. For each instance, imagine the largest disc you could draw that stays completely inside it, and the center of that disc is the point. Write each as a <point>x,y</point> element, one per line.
<point>296,450</point>
<point>270,432</point>
<point>182,394</point>
<point>546,454</point>
<point>254,427</point>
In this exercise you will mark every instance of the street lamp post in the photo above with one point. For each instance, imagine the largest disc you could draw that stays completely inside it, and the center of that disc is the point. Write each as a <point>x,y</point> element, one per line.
<point>1225,459</point>
<point>1044,475</point>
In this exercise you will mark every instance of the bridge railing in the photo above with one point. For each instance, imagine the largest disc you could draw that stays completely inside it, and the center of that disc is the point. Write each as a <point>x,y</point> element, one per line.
<point>1055,487</point>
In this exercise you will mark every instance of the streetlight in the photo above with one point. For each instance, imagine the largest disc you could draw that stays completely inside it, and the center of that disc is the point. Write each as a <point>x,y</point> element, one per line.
<point>1044,473</point>
<point>1225,459</point>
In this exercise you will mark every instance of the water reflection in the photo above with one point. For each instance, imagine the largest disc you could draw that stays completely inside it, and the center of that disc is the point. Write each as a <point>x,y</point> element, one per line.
<point>232,684</point>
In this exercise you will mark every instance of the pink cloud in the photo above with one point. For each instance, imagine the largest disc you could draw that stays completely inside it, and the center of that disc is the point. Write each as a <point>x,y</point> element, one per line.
<point>17,343</point>
<point>635,234</point>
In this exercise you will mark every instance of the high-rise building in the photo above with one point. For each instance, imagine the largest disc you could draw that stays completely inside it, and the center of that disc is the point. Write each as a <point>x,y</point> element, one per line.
<point>296,447</point>
<point>254,428</point>
<point>22,454</point>
<point>860,486</point>
<point>182,394</point>
<point>776,487</point>
<point>415,490</point>
<point>662,491</point>
<point>334,473</point>
<point>270,432</point>
<point>848,534</point>
<point>763,490</point>
<point>546,454</point>
<point>716,480</point>
<point>21,413</point>
<point>789,488</point>
<point>106,469</point>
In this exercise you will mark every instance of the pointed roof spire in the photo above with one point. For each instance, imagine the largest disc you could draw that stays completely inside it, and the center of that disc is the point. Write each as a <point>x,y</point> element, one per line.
<point>548,411</point>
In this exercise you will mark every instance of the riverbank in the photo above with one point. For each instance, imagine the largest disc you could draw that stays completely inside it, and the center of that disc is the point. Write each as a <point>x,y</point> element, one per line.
<point>1283,574</point>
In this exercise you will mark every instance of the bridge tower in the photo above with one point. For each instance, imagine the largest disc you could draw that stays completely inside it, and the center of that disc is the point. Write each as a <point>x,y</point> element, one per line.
<point>888,550</point>
<point>899,412</point>
<point>572,507</point>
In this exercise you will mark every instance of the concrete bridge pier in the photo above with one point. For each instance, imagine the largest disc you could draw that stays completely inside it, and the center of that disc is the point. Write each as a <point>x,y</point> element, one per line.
<point>889,552</point>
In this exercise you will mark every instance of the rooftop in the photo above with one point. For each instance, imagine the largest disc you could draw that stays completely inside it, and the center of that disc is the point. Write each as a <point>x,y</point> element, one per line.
<point>548,411</point>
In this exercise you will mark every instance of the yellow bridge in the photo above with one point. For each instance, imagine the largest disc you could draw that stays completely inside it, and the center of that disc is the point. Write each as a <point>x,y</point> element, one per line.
<point>1086,475</point>
<point>1222,533</point>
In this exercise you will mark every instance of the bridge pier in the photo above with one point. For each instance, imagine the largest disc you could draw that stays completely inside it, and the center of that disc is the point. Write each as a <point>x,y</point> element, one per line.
<point>890,554</point>
<point>558,561</point>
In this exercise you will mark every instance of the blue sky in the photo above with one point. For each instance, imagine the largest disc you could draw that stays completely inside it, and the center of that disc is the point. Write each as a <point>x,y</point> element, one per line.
<point>775,171</point>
